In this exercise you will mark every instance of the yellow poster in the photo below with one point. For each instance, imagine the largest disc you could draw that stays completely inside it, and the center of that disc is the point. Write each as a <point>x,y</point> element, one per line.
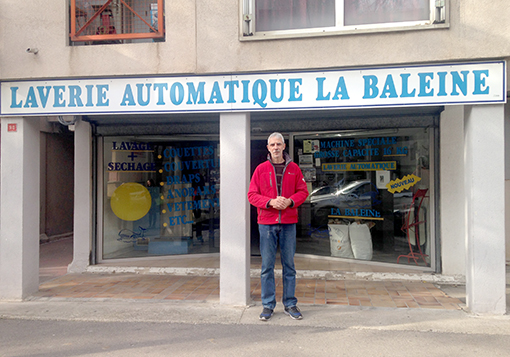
<point>405,183</point>
<point>360,166</point>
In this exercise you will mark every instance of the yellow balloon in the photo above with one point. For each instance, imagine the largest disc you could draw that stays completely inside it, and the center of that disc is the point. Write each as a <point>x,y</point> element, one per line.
<point>131,201</point>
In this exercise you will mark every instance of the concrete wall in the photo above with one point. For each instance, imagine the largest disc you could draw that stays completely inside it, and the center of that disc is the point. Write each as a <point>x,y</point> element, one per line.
<point>203,37</point>
<point>485,208</point>
<point>19,214</point>
<point>452,195</point>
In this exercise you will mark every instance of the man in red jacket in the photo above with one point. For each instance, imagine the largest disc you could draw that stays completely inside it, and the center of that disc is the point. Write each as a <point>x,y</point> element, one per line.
<point>277,188</point>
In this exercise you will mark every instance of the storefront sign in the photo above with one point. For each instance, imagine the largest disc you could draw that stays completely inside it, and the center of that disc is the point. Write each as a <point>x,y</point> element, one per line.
<point>367,214</point>
<point>360,166</point>
<point>460,83</point>
<point>405,183</point>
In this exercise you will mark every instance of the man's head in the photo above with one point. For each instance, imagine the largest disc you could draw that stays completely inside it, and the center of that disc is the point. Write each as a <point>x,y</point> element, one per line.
<point>276,145</point>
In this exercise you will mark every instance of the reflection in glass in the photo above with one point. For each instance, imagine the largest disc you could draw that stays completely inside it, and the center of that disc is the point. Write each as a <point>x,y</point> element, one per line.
<point>160,197</point>
<point>277,15</point>
<point>362,201</point>
<point>362,12</point>
<point>273,15</point>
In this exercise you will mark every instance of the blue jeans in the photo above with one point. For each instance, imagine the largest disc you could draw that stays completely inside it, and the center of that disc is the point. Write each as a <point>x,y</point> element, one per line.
<point>270,236</point>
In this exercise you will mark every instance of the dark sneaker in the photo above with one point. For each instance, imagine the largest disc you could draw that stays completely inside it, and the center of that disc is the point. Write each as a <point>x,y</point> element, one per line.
<point>266,314</point>
<point>293,312</point>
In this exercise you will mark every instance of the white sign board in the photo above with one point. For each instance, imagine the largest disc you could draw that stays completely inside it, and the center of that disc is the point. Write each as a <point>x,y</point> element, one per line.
<point>458,83</point>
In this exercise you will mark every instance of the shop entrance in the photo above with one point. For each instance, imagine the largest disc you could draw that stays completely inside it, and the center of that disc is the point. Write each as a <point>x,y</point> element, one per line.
<point>347,165</point>
<point>258,155</point>
<point>370,194</point>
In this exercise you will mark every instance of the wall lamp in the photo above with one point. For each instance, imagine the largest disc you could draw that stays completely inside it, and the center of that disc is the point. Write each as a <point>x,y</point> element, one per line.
<point>33,50</point>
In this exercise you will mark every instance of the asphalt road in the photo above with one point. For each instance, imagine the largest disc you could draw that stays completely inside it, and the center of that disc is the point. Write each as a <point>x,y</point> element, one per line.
<point>84,338</point>
<point>127,328</point>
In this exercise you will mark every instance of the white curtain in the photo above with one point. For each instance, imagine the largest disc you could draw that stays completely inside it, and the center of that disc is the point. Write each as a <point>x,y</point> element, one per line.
<point>272,15</point>
<point>359,12</point>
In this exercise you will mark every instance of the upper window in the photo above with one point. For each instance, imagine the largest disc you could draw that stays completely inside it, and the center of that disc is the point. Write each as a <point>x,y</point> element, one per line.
<point>297,16</point>
<point>116,21</point>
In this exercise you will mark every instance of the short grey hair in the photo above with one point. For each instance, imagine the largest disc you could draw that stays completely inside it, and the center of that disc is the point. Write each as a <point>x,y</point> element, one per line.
<point>276,135</point>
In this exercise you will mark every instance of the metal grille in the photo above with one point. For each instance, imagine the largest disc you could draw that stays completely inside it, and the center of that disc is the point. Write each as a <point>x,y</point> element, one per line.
<point>116,21</point>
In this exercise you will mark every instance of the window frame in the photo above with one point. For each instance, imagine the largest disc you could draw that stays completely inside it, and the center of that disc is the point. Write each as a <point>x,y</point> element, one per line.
<point>75,34</point>
<point>439,18</point>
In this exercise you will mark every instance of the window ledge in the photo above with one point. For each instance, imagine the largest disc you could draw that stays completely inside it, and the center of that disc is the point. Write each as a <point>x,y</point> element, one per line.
<point>294,34</point>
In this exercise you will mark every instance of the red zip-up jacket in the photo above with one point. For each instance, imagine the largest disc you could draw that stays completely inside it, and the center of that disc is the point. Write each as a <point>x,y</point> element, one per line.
<point>263,188</point>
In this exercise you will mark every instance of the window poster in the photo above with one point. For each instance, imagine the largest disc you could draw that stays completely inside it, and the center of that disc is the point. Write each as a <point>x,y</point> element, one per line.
<point>305,160</point>
<point>160,197</point>
<point>363,189</point>
<point>310,146</point>
<point>309,173</point>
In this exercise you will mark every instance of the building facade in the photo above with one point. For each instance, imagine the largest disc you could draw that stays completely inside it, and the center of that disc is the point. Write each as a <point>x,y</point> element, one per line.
<point>395,111</point>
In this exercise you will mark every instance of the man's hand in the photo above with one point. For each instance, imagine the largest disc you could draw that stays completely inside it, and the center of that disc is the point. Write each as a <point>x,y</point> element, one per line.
<point>280,203</point>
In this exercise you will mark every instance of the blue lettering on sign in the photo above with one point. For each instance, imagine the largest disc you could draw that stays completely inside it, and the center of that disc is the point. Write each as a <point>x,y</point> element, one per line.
<point>260,91</point>
<point>102,101</point>
<point>131,166</point>
<point>160,88</point>
<point>294,90</point>
<point>460,83</point>
<point>44,93</point>
<point>320,89</point>
<point>340,91</point>
<point>371,90</point>
<point>442,84</point>
<point>231,86</point>
<point>140,91</point>
<point>132,146</point>
<point>14,102</point>
<point>89,95</point>
<point>425,90</point>
<point>178,220</point>
<point>359,212</point>
<point>480,77</point>
<point>128,98</point>
<point>356,212</point>
<point>58,96</point>
<point>405,86</point>
<point>389,88</point>
<point>215,94</point>
<point>195,93</point>
<point>274,97</point>
<point>428,84</point>
<point>246,95</point>
<point>75,96</point>
<point>177,93</point>
<point>31,100</point>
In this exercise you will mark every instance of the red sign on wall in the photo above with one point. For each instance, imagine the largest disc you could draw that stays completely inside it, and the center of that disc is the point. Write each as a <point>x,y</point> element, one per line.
<point>12,127</point>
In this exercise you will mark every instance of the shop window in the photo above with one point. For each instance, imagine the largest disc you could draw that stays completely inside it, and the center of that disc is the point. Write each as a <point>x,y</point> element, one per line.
<point>116,21</point>
<point>160,197</point>
<point>370,195</point>
<point>288,17</point>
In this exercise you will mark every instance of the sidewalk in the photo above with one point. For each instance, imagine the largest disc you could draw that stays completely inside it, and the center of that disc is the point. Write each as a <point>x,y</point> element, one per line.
<point>57,285</point>
<point>130,314</point>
